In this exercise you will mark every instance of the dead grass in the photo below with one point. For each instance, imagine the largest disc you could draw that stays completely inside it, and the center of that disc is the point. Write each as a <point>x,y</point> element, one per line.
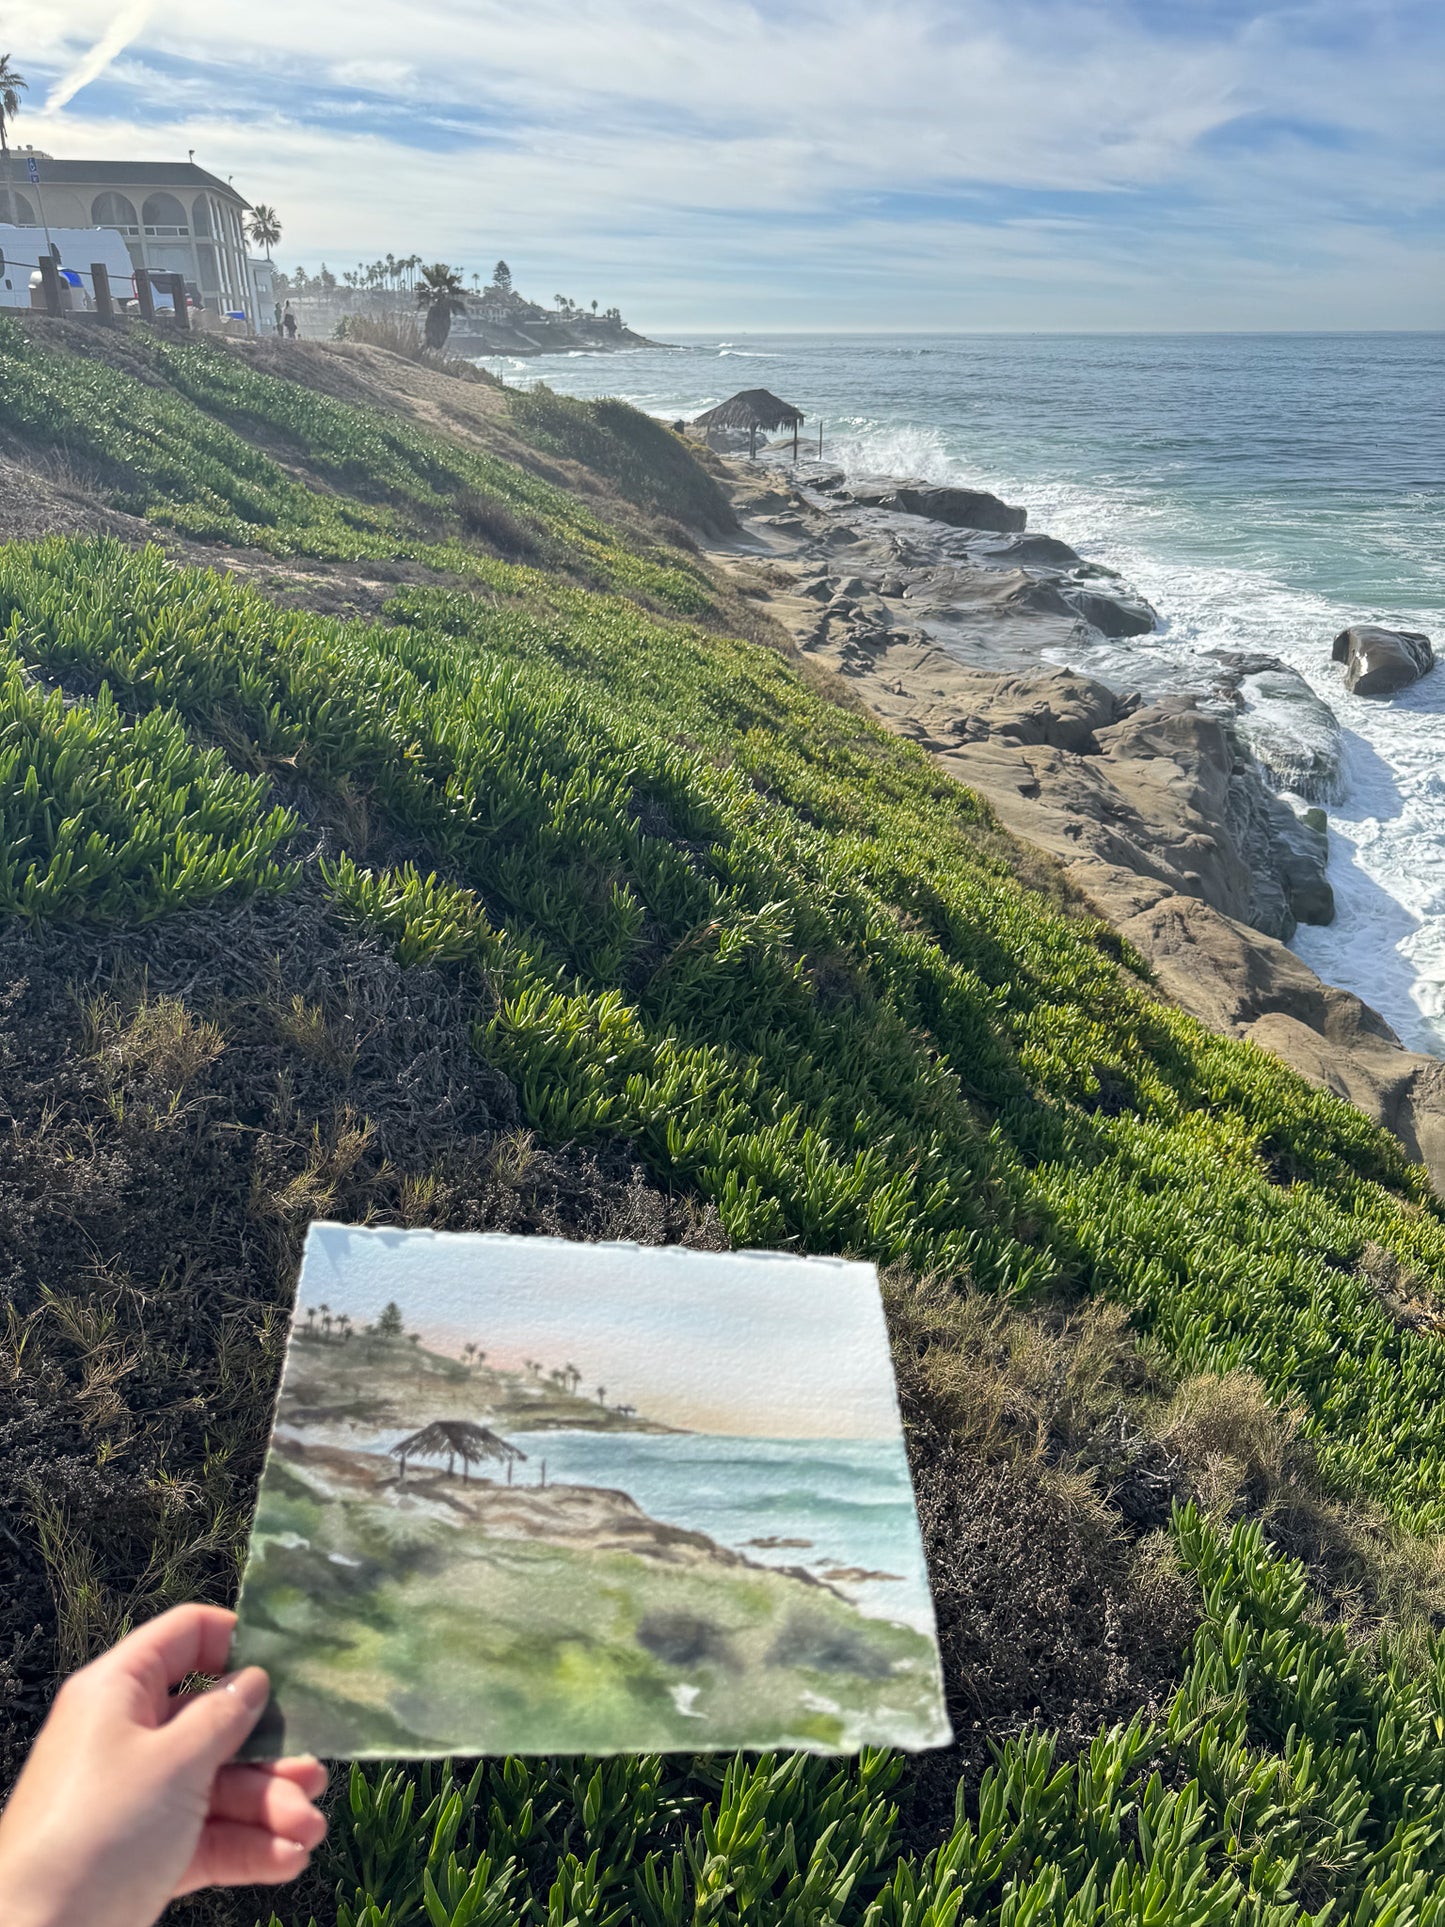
<point>335,1045</point>
<point>488,520</point>
<point>153,1049</point>
<point>1069,1402</point>
<point>1405,1296</point>
<point>146,1274</point>
<point>1239,1455</point>
<point>403,335</point>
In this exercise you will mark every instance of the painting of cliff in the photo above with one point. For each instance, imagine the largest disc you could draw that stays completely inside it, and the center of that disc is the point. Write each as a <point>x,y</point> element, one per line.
<point>526,1496</point>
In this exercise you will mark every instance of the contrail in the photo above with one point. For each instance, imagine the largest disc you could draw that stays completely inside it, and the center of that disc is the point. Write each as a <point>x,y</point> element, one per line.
<point>117,36</point>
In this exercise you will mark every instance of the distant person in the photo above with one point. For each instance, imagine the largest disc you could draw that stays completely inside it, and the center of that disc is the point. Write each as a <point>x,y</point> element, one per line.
<point>288,322</point>
<point>278,317</point>
<point>131,1798</point>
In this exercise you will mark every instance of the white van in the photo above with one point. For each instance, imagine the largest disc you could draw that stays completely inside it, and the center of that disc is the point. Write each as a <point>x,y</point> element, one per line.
<point>74,250</point>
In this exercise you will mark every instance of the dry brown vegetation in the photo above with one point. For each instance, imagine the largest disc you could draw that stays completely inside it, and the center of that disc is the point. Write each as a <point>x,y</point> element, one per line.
<point>1049,1449</point>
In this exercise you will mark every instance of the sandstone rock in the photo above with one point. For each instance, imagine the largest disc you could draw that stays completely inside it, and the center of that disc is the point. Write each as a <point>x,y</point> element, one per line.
<point>1112,615</point>
<point>1159,810</point>
<point>1248,985</point>
<point>1380,661</point>
<point>1287,727</point>
<point>1025,551</point>
<point>962,508</point>
<point>1061,709</point>
<point>1300,853</point>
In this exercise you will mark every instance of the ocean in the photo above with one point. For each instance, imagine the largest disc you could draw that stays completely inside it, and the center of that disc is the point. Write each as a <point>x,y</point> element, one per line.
<point>1263,491</point>
<point>850,1499</point>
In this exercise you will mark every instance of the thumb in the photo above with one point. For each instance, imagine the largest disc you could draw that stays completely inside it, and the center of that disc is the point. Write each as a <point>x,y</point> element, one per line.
<point>210,1726</point>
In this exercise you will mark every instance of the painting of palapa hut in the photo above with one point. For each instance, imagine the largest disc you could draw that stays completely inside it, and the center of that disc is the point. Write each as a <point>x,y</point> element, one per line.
<point>528,1496</point>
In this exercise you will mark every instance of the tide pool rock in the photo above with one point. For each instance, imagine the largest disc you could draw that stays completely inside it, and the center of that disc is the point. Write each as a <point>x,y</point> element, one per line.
<point>1380,661</point>
<point>963,508</point>
<point>1290,730</point>
<point>959,508</point>
<point>1113,615</point>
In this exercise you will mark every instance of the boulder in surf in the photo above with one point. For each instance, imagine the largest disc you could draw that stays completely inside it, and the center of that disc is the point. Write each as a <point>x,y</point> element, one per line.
<point>1379,661</point>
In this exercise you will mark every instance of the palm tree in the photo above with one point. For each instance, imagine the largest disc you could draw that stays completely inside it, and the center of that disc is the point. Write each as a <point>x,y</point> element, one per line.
<point>325,1311</point>
<point>601,1394</point>
<point>264,227</point>
<point>574,1377</point>
<point>343,1325</point>
<point>12,86</point>
<point>442,295</point>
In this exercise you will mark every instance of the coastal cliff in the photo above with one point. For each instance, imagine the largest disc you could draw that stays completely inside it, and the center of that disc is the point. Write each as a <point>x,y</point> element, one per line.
<point>1154,786</point>
<point>532,880</point>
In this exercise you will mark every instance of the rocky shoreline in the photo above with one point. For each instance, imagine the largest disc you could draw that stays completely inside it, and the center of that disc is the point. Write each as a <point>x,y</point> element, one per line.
<point>1155,780</point>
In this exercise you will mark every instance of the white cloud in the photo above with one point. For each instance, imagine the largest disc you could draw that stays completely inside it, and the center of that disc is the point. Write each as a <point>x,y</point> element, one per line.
<point>720,160</point>
<point>128,22</point>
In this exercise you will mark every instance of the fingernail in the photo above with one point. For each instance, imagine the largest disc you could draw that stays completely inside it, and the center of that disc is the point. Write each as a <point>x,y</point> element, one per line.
<point>251,1685</point>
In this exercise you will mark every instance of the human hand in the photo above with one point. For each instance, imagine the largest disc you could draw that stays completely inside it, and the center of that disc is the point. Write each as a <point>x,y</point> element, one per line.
<point>126,1801</point>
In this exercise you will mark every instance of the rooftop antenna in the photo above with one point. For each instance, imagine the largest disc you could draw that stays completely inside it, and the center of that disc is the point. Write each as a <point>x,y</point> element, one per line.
<point>191,155</point>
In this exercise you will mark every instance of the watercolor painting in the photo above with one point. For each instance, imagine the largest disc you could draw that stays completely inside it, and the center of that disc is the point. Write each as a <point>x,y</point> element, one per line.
<point>526,1496</point>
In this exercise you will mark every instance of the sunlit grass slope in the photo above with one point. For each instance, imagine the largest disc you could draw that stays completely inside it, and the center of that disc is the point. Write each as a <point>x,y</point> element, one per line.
<point>223,452</point>
<point>699,911</point>
<point>710,913</point>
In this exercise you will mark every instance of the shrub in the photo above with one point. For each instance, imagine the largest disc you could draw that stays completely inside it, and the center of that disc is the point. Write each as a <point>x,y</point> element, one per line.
<point>492,522</point>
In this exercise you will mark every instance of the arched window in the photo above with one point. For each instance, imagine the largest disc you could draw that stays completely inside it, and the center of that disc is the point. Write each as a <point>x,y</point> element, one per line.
<point>201,216</point>
<point>14,208</point>
<point>163,213</point>
<point>113,210</point>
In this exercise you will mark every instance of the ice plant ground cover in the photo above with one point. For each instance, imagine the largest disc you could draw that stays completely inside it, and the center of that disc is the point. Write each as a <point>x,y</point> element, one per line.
<point>540,901</point>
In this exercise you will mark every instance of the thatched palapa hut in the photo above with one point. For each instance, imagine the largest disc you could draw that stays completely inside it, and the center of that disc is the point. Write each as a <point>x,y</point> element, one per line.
<point>453,1439</point>
<point>752,409</point>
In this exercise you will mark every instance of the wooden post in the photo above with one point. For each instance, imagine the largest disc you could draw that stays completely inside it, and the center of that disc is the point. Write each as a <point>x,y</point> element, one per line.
<point>145,298</point>
<point>180,311</point>
<point>820,438</point>
<point>797,422</point>
<point>100,282</point>
<point>752,441</point>
<point>50,284</point>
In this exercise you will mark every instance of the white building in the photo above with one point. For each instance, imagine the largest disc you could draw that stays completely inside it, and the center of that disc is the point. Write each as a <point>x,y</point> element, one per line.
<point>176,218</point>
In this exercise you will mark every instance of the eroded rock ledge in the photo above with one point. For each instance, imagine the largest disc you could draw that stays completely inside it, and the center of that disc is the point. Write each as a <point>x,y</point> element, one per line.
<point>1152,778</point>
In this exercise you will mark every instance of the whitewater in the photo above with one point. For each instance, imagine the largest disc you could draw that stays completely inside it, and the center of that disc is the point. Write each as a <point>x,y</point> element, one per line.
<point>1263,491</point>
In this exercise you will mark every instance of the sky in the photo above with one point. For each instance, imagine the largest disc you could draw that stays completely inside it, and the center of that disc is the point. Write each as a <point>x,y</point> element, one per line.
<point>840,164</point>
<point>742,1343</point>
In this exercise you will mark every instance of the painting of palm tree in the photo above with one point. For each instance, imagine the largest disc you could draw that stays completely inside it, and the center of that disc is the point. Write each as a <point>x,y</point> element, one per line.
<point>454,1439</point>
